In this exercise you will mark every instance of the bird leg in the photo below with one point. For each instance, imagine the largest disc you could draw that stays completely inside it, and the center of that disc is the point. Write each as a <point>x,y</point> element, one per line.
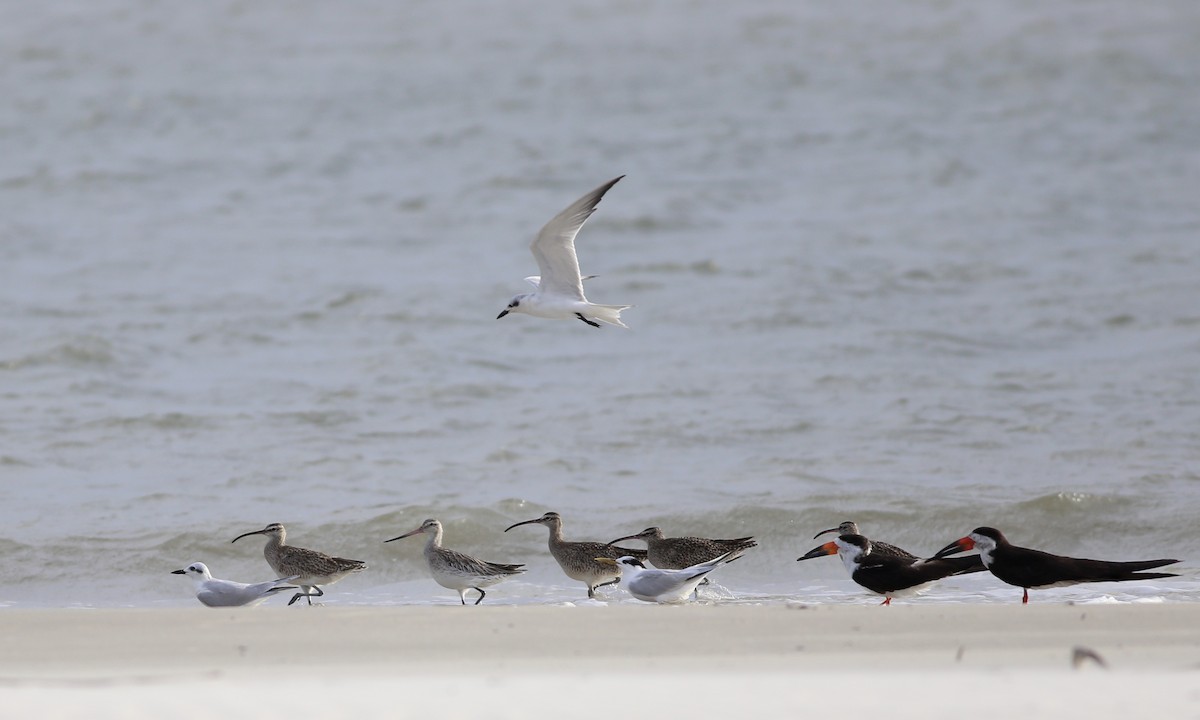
<point>589,322</point>
<point>310,595</point>
<point>1025,597</point>
<point>886,601</point>
<point>481,594</point>
<point>607,583</point>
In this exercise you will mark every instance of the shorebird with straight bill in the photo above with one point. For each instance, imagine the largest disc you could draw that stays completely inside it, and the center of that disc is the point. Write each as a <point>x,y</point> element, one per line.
<point>578,559</point>
<point>227,593</point>
<point>886,573</point>
<point>664,586</point>
<point>559,293</point>
<point>879,549</point>
<point>1027,568</point>
<point>311,568</point>
<point>677,553</point>
<point>455,570</point>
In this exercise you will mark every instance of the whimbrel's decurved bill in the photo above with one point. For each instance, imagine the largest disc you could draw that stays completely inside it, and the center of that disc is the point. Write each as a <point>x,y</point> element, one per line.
<point>878,548</point>
<point>578,558</point>
<point>311,568</point>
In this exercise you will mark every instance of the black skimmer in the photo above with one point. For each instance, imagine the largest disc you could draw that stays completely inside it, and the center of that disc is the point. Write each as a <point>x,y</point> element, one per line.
<point>887,574</point>
<point>1027,568</point>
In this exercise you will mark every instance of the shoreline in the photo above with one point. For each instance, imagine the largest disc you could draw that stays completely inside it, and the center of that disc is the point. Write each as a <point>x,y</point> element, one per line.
<point>504,661</point>
<point>47,644</point>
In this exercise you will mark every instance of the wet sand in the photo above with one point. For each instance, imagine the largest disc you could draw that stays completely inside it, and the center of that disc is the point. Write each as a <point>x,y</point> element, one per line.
<point>631,661</point>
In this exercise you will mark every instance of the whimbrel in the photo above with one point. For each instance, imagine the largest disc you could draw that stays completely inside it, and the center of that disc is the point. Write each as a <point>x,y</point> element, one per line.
<point>578,559</point>
<point>227,593</point>
<point>665,586</point>
<point>311,568</point>
<point>879,549</point>
<point>683,552</point>
<point>888,574</point>
<point>1027,568</point>
<point>459,571</point>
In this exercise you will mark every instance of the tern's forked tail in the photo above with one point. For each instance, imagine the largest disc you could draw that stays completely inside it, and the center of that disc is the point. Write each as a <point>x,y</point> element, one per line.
<point>610,314</point>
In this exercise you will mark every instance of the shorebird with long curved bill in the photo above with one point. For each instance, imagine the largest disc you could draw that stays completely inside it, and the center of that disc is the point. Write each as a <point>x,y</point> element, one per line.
<point>559,293</point>
<point>886,573</point>
<point>311,568</point>
<point>578,558</point>
<point>878,548</point>
<point>677,553</point>
<point>458,571</point>
<point>664,586</point>
<point>226,593</point>
<point>1028,568</point>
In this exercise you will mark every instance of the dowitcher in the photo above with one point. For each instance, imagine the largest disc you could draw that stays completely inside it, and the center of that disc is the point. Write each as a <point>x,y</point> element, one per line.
<point>578,559</point>
<point>455,570</point>
<point>665,586</point>
<point>227,593</point>
<point>311,568</point>
<point>889,574</point>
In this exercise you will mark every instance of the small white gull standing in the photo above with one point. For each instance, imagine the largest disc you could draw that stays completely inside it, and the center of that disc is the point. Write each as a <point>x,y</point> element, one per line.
<point>226,593</point>
<point>665,586</point>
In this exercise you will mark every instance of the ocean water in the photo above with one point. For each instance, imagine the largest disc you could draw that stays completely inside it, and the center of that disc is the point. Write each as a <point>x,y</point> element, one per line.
<point>922,265</point>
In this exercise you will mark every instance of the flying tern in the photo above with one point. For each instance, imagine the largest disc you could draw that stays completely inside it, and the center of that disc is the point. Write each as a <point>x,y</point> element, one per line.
<point>559,293</point>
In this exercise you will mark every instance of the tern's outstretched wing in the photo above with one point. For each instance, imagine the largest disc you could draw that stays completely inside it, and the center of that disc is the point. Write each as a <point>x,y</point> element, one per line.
<point>554,246</point>
<point>536,280</point>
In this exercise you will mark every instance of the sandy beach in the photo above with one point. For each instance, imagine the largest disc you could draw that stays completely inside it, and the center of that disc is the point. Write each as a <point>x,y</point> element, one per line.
<point>502,662</point>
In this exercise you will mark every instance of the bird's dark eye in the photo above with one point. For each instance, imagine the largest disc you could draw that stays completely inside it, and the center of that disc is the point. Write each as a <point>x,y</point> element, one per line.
<point>514,303</point>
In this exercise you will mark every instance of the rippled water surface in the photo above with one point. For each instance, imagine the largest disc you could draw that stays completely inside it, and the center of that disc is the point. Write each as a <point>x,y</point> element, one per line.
<point>919,265</point>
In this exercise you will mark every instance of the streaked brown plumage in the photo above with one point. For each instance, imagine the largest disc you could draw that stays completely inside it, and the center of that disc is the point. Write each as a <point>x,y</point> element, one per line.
<point>678,553</point>
<point>459,571</point>
<point>313,568</point>
<point>578,558</point>
<point>878,549</point>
